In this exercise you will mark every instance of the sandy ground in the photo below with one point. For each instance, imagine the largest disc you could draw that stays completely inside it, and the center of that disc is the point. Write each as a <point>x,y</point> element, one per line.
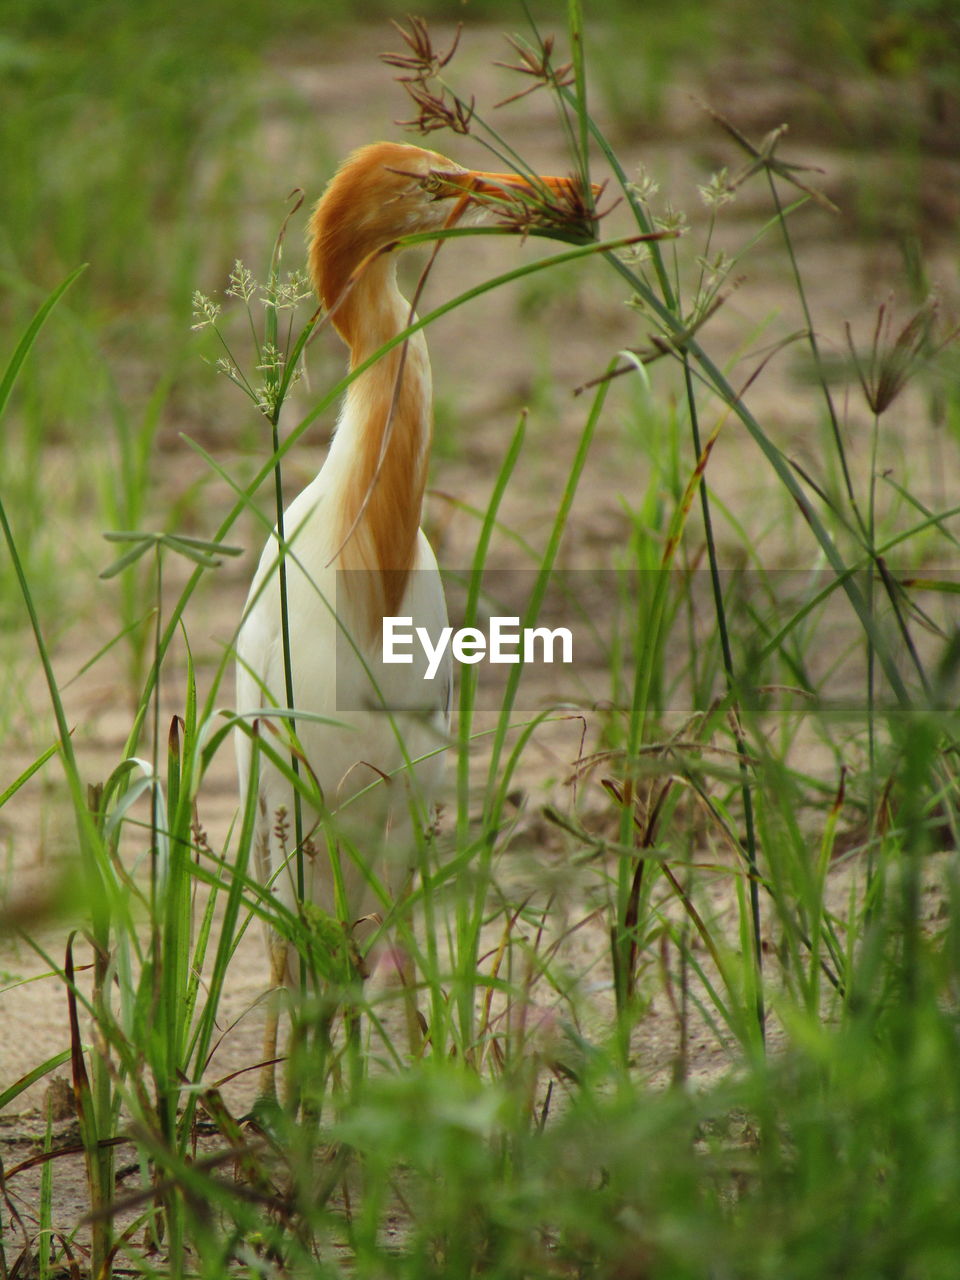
<point>509,349</point>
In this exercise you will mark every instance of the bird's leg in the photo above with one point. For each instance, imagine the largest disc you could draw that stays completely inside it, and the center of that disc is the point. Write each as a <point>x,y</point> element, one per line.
<point>278,972</point>
<point>399,971</point>
<point>416,1023</point>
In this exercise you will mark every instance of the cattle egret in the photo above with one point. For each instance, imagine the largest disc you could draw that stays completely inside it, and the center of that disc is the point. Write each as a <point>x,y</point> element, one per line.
<point>364,727</point>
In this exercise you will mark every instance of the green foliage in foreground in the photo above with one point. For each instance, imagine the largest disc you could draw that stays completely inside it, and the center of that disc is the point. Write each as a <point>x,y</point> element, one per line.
<point>525,1141</point>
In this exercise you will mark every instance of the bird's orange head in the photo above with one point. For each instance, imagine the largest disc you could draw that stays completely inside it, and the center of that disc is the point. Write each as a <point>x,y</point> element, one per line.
<point>388,190</point>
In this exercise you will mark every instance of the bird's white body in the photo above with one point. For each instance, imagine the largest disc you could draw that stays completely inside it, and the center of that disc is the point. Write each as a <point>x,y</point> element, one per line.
<point>360,722</point>
<point>364,725</point>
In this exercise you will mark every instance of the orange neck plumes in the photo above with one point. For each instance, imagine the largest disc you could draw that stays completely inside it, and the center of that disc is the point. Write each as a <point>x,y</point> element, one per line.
<point>379,454</point>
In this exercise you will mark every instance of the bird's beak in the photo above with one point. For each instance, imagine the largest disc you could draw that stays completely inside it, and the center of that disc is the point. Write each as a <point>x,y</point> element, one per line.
<point>539,204</point>
<point>499,184</point>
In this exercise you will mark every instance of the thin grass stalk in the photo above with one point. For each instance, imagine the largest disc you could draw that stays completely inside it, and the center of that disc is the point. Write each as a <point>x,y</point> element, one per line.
<point>781,466</point>
<point>196,758</point>
<point>639,213</point>
<point>45,1234</point>
<point>123,502</point>
<point>525,731</point>
<point>88,833</point>
<point>543,577</point>
<point>745,780</point>
<point>468,945</point>
<point>874,641</point>
<point>271,331</point>
<point>648,649</point>
<point>94,1107</point>
<point>576,34</point>
<point>868,528</point>
<point>157,633</point>
<point>820,919</point>
<point>468,687</point>
<point>288,664</point>
<point>811,336</point>
<point>536,597</point>
<point>871,532</point>
<point>33,767</point>
<point>647,660</point>
<point>179,977</point>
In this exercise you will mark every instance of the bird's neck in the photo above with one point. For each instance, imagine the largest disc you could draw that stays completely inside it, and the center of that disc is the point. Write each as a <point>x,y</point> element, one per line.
<point>380,451</point>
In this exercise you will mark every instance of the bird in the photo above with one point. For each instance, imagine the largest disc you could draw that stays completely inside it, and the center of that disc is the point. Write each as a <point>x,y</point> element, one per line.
<point>371,735</point>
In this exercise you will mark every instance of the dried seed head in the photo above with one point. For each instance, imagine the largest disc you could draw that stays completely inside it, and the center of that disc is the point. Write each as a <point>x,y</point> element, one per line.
<point>536,63</point>
<point>891,362</point>
<point>763,158</point>
<point>422,61</point>
<point>436,109</point>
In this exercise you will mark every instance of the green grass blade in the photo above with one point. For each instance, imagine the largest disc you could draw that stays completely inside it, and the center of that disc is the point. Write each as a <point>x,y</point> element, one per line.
<point>576,33</point>
<point>13,1091</point>
<point>23,347</point>
<point>543,578</point>
<point>28,773</point>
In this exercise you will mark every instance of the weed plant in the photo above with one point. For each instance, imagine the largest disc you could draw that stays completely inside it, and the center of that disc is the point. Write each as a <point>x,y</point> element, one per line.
<point>701,867</point>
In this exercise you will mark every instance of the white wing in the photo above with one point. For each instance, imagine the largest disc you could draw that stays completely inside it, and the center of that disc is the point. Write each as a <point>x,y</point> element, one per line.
<point>387,741</point>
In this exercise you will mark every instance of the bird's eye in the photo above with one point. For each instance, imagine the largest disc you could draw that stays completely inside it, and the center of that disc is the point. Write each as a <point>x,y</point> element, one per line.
<point>434,184</point>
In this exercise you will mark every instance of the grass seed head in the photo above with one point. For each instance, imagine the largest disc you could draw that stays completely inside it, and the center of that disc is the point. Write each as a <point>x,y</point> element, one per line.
<point>892,361</point>
<point>436,109</point>
<point>537,64</point>
<point>422,62</point>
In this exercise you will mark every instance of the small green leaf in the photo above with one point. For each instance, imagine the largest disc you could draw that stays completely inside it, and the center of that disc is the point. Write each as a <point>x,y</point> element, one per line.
<point>30,336</point>
<point>32,1077</point>
<point>28,773</point>
<point>202,551</point>
<point>126,560</point>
